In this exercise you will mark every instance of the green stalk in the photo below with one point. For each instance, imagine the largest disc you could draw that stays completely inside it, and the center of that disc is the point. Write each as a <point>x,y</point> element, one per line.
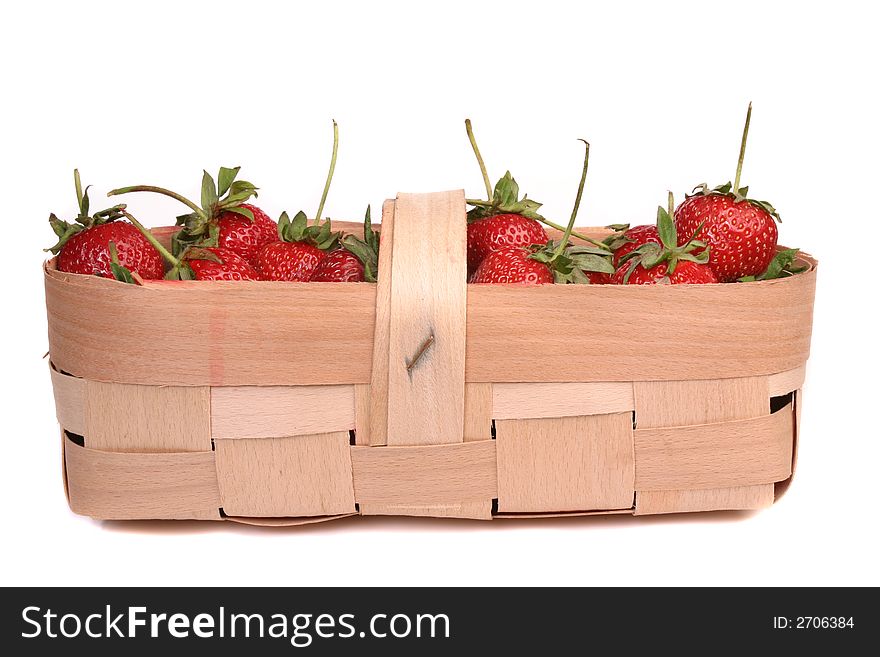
<point>577,204</point>
<point>330,173</point>
<point>574,233</point>
<point>470,134</point>
<point>152,240</point>
<point>165,192</point>
<point>670,204</point>
<point>742,150</point>
<point>79,190</point>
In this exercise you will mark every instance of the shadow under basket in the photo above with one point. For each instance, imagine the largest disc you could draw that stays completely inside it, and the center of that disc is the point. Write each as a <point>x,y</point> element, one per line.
<point>292,403</point>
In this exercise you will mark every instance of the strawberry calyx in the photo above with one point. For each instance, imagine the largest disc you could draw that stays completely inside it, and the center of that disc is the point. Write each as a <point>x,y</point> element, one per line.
<point>366,250</point>
<point>200,227</point>
<point>732,189</point>
<point>298,229</point>
<point>780,267</point>
<point>651,254</point>
<point>567,261</point>
<point>617,238</point>
<point>120,273</point>
<point>64,230</point>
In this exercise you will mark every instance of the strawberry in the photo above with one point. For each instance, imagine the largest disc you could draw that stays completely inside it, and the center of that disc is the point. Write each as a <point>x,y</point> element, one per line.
<point>223,220</point>
<point>300,251</point>
<point>491,233</point>
<point>225,265</point>
<point>339,266</point>
<point>627,240</point>
<point>504,219</point>
<point>196,263</point>
<point>741,232</point>
<point>551,262</point>
<point>84,247</point>
<point>666,262</point>
<point>355,261</point>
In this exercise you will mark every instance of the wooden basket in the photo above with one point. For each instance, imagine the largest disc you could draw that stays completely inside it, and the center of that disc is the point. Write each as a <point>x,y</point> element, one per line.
<point>287,403</point>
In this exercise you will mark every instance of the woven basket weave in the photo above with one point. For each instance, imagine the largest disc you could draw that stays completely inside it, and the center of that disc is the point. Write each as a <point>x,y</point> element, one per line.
<point>287,403</point>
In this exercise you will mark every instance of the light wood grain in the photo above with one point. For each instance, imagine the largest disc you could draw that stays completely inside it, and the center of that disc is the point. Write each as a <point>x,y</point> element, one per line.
<point>738,453</point>
<point>70,401</point>
<point>211,333</point>
<point>378,426</point>
<point>127,486</point>
<point>764,329</point>
<point>481,510</point>
<point>541,400</point>
<point>707,499</point>
<point>430,475</point>
<point>679,403</point>
<point>276,477</point>
<point>565,464</point>
<point>427,320</point>
<point>273,411</point>
<point>287,522</point>
<point>740,330</point>
<point>362,401</point>
<point>477,411</point>
<point>132,418</point>
<point>785,382</point>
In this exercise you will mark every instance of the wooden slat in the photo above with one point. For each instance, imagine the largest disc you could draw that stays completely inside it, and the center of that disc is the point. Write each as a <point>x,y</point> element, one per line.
<point>378,426</point>
<point>707,499</point>
<point>362,401</point>
<point>565,464</point>
<point>738,453</point>
<point>612,332</point>
<point>276,477</point>
<point>785,382</point>
<point>481,510</point>
<point>427,320</point>
<point>680,403</point>
<point>246,332</point>
<point>765,329</point>
<point>287,522</point>
<point>429,476</point>
<point>70,401</point>
<point>133,418</point>
<point>477,411</point>
<point>539,400</point>
<point>274,411</point>
<point>125,486</point>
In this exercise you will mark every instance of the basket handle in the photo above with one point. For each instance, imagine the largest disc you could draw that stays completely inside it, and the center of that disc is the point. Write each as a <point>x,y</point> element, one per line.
<point>417,383</point>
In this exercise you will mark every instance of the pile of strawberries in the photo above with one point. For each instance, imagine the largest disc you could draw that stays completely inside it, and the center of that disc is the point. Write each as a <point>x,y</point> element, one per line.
<point>716,235</point>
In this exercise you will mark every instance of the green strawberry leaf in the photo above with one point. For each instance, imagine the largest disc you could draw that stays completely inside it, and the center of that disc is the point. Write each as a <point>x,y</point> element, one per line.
<point>209,194</point>
<point>505,200</point>
<point>120,273</point>
<point>779,267</point>
<point>666,228</point>
<point>247,213</point>
<point>225,179</point>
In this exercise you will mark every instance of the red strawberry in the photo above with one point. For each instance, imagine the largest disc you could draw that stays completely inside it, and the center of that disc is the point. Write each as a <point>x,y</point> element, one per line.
<point>357,260</point>
<point>665,262</point>
<point>224,219</point>
<point>243,236</point>
<point>339,266</point>
<point>505,219</point>
<point>633,238</point>
<point>685,272</point>
<point>226,265</point>
<point>302,248</point>
<point>491,233</point>
<point>83,247</point>
<point>552,262</point>
<point>598,277</point>
<point>740,231</point>
<point>512,264</point>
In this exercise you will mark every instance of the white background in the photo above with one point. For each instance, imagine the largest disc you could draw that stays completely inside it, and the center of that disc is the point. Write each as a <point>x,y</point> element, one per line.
<point>155,92</point>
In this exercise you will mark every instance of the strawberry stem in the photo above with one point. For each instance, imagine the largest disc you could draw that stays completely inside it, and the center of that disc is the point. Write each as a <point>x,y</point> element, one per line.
<point>329,173</point>
<point>670,204</point>
<point>165,192</point>
<point>79,190</point>
<point>742,150</point>
<point>574,233</point>
<point>470,134</point>
<point>152,240</point>
<point>577,204</point>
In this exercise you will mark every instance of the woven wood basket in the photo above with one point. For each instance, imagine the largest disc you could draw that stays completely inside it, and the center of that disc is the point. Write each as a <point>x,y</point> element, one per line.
<point>289,403</point>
